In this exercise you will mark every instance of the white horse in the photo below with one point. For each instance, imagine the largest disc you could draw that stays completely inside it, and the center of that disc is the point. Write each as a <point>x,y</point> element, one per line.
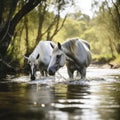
<point>75,53</point>
<point>40,57</point>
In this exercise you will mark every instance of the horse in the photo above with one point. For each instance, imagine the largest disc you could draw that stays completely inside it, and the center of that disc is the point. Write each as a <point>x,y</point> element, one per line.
<point>75,53</point>
<point>40,58</point>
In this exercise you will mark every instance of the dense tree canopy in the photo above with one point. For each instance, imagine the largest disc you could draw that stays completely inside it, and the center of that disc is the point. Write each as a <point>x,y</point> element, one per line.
<point>13,11</point>
<point>15,24</point>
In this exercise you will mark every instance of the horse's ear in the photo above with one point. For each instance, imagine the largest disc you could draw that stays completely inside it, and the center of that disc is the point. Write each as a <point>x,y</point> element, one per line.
<point>52,45</point>
<point>37,56</point>
<point>26,57</point>
<point>59,45</point>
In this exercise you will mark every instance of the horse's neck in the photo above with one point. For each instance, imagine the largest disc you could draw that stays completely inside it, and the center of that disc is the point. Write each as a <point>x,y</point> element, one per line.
<point>35,52</point>
<point>69,54</point>
<point>66,49</point>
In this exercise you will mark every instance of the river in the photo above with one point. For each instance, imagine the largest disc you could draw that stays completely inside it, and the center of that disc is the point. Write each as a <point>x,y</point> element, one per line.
<point>58,98</point>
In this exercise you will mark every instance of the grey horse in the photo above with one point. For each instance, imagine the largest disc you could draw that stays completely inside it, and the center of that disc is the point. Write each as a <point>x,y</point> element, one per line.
<point>75,53</point>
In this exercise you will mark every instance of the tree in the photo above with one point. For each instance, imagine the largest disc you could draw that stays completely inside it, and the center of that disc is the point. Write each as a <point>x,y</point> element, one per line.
<point>9,18</point>
<point>55,23</point>
<point>108,19</point>
<point>15,11</point>
<point>8,27</point>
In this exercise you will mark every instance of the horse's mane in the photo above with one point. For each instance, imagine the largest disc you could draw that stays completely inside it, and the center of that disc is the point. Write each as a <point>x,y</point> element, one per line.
<point>74,49</point>
<point>70,44</point>
<point>70,48</point>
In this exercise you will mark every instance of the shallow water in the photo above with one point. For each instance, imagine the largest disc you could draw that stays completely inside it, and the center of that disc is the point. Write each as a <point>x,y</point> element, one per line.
<point>97,98</point>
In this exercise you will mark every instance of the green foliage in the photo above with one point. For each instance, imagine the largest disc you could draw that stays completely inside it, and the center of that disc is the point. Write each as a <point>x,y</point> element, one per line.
<point>100,31</point>
<point>71,28</point>
<point>117,60</point>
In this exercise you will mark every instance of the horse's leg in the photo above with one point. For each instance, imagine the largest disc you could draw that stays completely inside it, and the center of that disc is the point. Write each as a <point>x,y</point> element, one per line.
<point>45,73</point>
<point>70,73</point>
<point>42,72</point>
<point>78,74</point>
<point>33,77</point>
<point>83,72</point>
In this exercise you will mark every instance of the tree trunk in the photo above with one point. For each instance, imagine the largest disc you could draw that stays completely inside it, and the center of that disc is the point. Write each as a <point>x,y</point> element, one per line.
<point>7,32</point>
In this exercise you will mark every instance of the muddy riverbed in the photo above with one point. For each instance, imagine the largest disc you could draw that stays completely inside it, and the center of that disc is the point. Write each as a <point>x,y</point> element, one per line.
<point>58,98</point>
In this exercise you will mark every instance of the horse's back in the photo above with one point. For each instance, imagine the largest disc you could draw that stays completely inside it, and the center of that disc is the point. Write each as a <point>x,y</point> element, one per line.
<point>45,51</point>
<point>79,50</point>
<point>84,52</point>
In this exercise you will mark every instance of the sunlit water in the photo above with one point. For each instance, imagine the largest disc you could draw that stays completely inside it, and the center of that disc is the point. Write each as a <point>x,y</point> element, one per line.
<point>57,98</point>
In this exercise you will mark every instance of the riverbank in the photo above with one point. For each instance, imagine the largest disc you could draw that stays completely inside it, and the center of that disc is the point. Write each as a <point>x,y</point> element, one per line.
<point>100,62</point>
<point>106,62</point>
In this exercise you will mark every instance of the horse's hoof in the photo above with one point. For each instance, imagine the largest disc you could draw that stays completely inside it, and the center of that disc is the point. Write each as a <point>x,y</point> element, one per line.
<point>32,78</point>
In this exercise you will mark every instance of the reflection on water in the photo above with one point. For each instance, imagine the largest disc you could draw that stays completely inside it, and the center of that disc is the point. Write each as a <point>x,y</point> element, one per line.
<point>96,99</point>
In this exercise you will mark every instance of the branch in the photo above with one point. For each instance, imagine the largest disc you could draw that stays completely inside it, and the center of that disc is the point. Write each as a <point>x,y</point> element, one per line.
<point>42,12</point>
<point>31,4</point>
<point>25,9</point>
<point>7,24</point>
<point>118,14</point>
<point>50,26</point>
<point>7,65</point>
<point>58,28</point>
<point>1,10</point>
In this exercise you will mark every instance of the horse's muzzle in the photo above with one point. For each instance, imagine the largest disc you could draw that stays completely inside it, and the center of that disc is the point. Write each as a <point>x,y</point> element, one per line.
<point>51,71</point>
<point>32,77</point>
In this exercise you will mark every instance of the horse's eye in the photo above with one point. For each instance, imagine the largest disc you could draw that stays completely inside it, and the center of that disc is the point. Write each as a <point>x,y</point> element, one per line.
<point>29,62</point>
<point>58,56</point>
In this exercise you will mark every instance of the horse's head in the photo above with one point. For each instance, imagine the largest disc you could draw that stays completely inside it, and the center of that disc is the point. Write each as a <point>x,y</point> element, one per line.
<point>33,62</point>
<point>58,59</point>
